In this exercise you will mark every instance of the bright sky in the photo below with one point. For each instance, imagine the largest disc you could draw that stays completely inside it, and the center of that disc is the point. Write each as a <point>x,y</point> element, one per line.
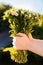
<point>32,5</point>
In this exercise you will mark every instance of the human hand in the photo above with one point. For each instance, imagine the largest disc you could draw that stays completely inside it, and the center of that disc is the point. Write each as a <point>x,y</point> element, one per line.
<point>22,41</point>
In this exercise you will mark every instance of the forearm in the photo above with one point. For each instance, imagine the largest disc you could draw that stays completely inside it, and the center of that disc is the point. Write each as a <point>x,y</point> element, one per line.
<point>36,46</point>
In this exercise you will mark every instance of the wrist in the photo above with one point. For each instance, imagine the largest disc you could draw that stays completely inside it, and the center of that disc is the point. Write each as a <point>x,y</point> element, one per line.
<point>30,43</point>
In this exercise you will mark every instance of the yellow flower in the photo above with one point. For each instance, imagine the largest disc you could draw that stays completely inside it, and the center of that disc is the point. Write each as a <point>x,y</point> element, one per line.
<point>12,26</point>
<point>11,50</point>
<point>12,56</point>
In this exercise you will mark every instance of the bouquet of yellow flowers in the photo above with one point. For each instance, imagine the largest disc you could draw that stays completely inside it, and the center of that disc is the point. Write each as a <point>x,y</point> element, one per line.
<point>20,21</point>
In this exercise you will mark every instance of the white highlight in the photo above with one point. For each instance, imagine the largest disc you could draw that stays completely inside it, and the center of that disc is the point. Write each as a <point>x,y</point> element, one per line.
<point>14,40</point>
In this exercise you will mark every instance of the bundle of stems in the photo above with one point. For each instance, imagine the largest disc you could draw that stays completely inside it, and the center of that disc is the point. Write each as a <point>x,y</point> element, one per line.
<point>20,21</point>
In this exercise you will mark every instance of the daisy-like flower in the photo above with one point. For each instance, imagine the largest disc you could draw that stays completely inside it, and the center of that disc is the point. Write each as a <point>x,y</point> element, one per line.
<point>30,15</point>
<point>14,12</point>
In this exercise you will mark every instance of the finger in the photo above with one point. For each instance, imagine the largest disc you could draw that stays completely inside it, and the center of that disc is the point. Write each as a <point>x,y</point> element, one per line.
<point>20,34</point>
<point>30,36</point>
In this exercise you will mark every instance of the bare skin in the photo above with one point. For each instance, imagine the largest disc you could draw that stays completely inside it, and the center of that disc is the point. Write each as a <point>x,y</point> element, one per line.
<point>24,42</point>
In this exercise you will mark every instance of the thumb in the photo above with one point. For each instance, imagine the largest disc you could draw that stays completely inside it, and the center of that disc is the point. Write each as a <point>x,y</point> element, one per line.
<point>30,36</point>
<point>20,34</point>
